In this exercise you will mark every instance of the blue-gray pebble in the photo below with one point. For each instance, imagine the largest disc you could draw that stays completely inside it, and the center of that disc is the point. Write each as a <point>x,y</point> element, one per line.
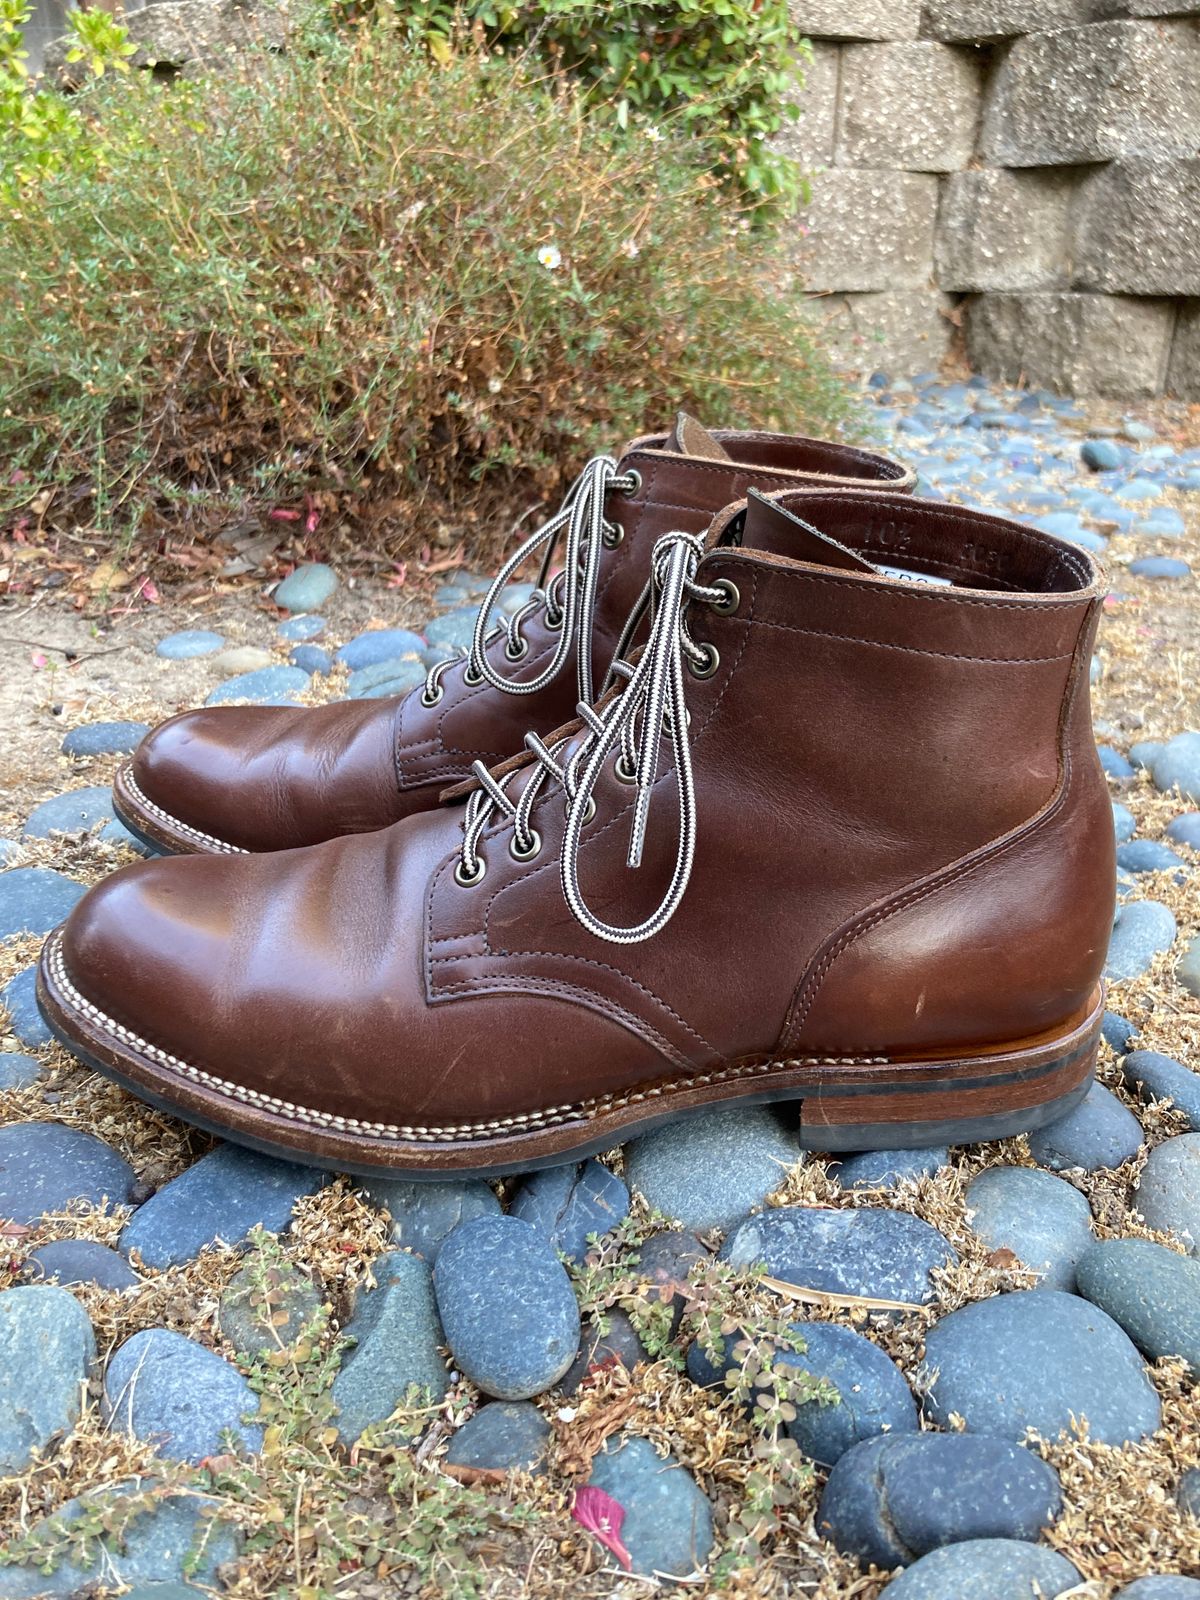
<point>1152,1292</point>
<point>1159,1077</point>
<point>1037,1358</point>
<point>1142,929</point>
<point>19,999</point>
<point>707,1171</point>
<point>894,1499</point>
<point>883,1254</point>
<point>150,1553</point>
<point>297,629</point>
<point>507,1307</point>
<point>36,899</point>
<point>18,1071</point>
<point>986,1569</point>
<point>76,811</point>
<point>222,1196</point>
<point>44,1166</point>
<point>617,1344</point>
<point>1099,1134</point>
<point>396,1331</point>
<point>105,738</point>
<point>1185,829</point>
<point>1179,766</point>
<point>1168,1192</point>
<point>179,1397</point>
<point>883,1169</point>
<point>75,1261</point>
<point>46,1349</point>
<point>307,588</point>
<point>570,1204</point>
<point>504,1436</point>
<point>873,1396</point>
<point>1147,855</point>
<point>1160,567</point>
<point>266,685</point>
<point>1118,1033</point>
<point>312,659</point>
<point>385,679</point>
<point>379,644</point>
<point>668,1526</point>
<point>1114,763</point>
<point>189,644</point>
<point>1165,1586</point>
<point>261,1325</point>
<point>1043,1220</point>
<point>424,1213</point>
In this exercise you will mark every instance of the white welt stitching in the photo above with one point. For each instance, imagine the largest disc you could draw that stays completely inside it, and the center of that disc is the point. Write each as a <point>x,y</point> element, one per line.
<point>585,1110</point>
<point>134,788</point>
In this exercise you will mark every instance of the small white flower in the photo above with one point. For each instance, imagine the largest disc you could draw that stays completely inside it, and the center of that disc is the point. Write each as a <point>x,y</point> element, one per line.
<point>495,385</point>
<point>566,1413</point>
<point>631,248</point>
<point>550,256</point>
<point>654,134</point>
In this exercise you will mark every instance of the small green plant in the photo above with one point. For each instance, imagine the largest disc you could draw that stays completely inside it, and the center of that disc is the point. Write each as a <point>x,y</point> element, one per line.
<point>40,131</point>
<point>725,71</point>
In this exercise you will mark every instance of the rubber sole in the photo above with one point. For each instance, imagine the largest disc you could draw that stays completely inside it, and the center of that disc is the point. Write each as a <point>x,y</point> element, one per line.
<point>843,1106</point>
<point>156,827</point>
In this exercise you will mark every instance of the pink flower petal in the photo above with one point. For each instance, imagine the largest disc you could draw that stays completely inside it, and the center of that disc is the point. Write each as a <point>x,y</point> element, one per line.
<point>602,1516</point>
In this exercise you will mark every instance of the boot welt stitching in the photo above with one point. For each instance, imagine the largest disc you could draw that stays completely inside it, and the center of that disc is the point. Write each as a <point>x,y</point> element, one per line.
<point>584,1110</point>
<point>170,821</point>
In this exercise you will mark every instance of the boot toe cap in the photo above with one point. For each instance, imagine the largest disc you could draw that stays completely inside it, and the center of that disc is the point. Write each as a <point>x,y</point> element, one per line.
<point>191,768</point>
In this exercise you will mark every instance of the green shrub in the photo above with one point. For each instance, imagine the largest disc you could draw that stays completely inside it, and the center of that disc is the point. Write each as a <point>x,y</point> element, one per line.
<point>725,70</point>
<point>40,132</point>
<point>329,274</point>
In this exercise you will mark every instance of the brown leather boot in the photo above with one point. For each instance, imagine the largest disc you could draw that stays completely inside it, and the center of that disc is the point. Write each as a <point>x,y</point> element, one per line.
<point>838,837</point>
<point>232,779</point>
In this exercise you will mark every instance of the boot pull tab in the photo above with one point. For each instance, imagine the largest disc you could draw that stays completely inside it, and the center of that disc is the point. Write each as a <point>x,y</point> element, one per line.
<point>767,525</point>
<point>770,526</point>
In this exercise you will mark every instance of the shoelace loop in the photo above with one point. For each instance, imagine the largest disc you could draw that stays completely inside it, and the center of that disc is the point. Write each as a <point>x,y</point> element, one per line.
<point>649,707</point>
<point>569,600</point>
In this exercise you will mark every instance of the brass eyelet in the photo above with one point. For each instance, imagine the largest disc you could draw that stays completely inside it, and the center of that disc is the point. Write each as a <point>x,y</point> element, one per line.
<point>429,700</point>
<point>733,597</point>
<point>471,678</point>
<point>632,488</point>
<point>468,880</point>
<point>613,534</point>
<point>589,814</point>
<point>519,653</point>
<point>705,668</point>
<point>535,844</point>
<point>622,773</point>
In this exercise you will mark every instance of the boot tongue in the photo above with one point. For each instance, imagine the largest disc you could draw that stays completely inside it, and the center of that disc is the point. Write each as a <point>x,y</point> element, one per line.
<point>690,438</point>
<point>768,526</point>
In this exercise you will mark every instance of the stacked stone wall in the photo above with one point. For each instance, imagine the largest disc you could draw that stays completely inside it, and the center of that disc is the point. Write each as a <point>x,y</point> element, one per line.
<point>1023,174</point>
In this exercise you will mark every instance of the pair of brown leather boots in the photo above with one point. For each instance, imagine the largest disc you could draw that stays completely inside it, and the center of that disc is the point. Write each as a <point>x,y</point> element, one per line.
<point>820,820</point>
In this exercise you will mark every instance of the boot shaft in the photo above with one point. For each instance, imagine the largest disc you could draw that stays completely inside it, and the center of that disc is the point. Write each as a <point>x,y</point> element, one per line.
<point>679,480</point>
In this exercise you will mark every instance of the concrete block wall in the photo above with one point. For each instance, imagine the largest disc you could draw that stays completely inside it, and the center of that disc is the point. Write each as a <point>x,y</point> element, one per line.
<point>1027,171</point>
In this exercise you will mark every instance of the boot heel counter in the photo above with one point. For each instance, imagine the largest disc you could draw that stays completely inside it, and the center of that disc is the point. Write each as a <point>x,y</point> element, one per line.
<point>1006,944</point>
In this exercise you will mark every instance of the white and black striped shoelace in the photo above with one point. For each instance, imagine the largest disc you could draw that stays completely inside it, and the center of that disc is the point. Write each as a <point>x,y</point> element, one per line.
<point>648,706</point>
